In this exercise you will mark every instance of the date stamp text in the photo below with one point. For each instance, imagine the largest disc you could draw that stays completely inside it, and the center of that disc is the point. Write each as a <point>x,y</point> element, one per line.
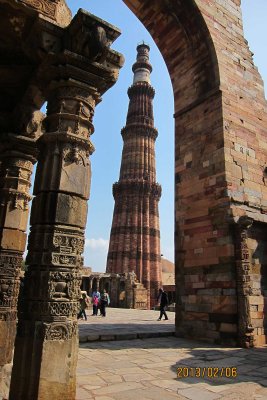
<point>206,372</point>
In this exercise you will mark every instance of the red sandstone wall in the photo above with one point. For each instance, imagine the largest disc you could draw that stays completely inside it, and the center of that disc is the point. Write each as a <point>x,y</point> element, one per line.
<point>220,146</point>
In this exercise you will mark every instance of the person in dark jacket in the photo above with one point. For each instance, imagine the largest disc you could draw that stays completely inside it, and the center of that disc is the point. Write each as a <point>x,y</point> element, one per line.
<point>163,301</point>
<point>104,302</point>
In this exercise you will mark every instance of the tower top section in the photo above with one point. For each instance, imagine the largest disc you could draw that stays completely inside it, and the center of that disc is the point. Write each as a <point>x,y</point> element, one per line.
<point>142,67</point>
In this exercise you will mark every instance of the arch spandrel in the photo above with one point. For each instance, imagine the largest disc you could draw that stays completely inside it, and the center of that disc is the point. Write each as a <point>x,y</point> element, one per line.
<point>182,36</point>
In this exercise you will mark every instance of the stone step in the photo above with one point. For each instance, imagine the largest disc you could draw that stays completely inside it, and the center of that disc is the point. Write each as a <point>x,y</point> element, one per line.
<point>123,336</point>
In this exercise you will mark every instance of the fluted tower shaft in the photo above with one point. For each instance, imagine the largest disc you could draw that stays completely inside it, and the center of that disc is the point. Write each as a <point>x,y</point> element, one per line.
<point>135,235</point>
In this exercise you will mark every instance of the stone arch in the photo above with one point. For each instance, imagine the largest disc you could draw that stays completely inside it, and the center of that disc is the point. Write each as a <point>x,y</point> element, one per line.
<point>213,109</point>
<point>186,44</point>
<point>219,101</point>
<point>181,34</point>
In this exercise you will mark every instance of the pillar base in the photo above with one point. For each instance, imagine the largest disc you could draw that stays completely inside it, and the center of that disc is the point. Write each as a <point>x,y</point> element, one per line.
<point>45,362</point>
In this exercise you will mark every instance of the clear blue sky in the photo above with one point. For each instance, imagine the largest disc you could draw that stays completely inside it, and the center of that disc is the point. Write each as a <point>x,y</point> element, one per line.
<point>110,116</point>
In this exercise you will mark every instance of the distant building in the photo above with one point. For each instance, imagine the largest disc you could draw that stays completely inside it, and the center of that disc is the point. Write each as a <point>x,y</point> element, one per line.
<point>124,289</point>
<point>135,235</point>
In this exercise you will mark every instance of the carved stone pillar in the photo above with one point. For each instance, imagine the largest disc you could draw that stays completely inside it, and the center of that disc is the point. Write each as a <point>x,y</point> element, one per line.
<point>17,157</point>
<point>46,345</point>
<point>90,288</point>
<point>244,290</point>
<point>114,291</point>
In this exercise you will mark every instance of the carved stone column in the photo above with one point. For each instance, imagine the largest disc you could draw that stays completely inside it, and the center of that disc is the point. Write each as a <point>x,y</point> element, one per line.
<point>244,290</point>
<point>18,153</point>
<point>46,346</point>
<point>90,287</point>
<point>98,284</point>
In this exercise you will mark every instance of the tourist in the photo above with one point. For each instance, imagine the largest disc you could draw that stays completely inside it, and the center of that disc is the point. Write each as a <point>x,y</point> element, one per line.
<point>163,300</point>
<point>95,301</point>
<point>104,302</point>
<point>95,304</point>
<point>84,302</point>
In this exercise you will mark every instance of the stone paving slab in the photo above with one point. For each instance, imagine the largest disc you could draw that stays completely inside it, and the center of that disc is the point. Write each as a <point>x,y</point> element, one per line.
<point>146,369</point>
<point>125,324</point>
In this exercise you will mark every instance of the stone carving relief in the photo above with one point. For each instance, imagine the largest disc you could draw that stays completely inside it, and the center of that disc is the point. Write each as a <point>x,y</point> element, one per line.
<point>34,128</point>
<point>57,331</point>
<point>85,111</point>
<point>67,113</point>
<point>44,6</point>
<point>48,43</point>
<point>57,309</point>
<point>68,244</point>
<point>17,200</point>
<point>75,154</point>
<point>91,42</point>
<point>8,315</point>
<point>57,285</point>
<point>64,285</point>
<point>62,259</point>
<point>16,175</point>
<point>74,95</point>
<point>23,163</point>
<point>21,201</point>
<point>27,119</point>
<point>244,289</point>
<point>72,115</point>
<point>10,265</point>
<point>9,290</point>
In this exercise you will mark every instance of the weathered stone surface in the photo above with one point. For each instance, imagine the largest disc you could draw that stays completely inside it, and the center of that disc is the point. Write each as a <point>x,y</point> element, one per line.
<point>135,237</point>
<point>222,178</point>
<point>59,207</point>
<point>219,105</point>
<point>16,163</point>
<point>46,345</point>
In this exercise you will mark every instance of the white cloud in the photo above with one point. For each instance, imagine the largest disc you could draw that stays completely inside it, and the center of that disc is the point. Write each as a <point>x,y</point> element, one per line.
<point>97,243</point>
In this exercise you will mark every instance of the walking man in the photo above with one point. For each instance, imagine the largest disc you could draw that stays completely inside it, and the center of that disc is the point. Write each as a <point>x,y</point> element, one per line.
<point>104,302</point>
<point>163,300</point>
<point>84,302</point>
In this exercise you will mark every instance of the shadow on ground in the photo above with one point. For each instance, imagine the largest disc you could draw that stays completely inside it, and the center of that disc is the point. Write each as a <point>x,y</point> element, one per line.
<point>196,362</point>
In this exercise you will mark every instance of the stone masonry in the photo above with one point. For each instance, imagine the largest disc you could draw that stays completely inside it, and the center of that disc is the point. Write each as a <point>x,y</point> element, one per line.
<point>71,66</point>
<point>135,237</point>
<point>124,289</point>
<point>220,167</point>
<point>220,175</point>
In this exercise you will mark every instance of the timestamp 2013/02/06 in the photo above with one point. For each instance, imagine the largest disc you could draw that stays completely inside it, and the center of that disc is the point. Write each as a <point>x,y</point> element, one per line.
<point>206,372</point>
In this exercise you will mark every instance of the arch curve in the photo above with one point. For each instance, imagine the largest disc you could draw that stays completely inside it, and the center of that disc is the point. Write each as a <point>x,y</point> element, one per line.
<point>181,34</point>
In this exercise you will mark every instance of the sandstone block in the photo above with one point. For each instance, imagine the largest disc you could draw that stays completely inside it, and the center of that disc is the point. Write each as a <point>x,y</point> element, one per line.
<point>13,240</point>
<point>14,218</point>
<point>59,208</point>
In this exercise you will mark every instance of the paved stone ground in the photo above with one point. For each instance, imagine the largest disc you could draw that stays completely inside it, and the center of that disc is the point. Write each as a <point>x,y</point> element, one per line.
<point>122,324</point>
<point>147,368</point>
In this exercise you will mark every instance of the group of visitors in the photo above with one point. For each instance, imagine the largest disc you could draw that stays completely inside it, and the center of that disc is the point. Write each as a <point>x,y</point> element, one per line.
<point>99,301</point>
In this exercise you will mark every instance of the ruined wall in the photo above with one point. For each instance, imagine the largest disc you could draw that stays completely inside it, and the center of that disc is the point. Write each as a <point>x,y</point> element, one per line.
<point>257,244</point>
<point>220,146</point>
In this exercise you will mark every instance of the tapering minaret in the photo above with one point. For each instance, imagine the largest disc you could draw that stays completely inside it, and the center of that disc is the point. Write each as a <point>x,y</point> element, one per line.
<point>135,236</point>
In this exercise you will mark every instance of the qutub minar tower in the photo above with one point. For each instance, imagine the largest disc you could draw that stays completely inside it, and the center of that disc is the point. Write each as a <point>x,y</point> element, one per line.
<point>135,235</point>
